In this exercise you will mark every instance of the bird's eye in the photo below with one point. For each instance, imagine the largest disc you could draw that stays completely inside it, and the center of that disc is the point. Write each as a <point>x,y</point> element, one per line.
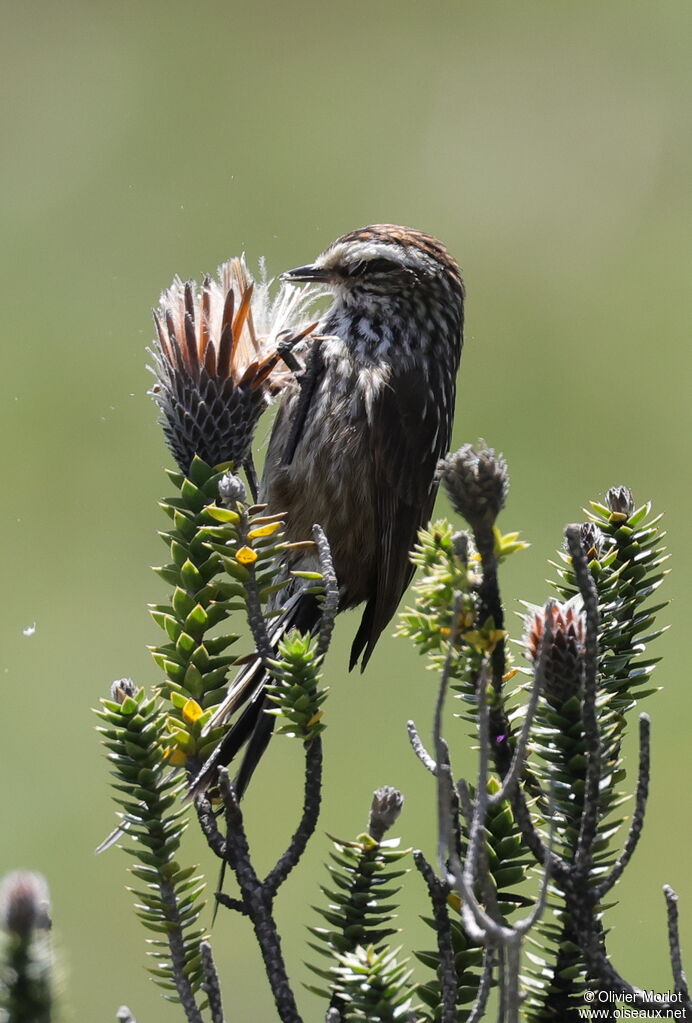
<point>358,269</point>
<point>365,267</point>
<point>381,266</point>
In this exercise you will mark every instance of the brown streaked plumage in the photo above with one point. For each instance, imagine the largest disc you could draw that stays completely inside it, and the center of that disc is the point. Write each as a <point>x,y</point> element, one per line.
<point>356,442</point>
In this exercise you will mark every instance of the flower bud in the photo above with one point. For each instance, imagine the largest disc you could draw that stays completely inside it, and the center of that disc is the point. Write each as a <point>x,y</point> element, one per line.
<point>620,501</point>
<point>24,904</point>
<point>460,543</point>
<point>477,483</point>
<point>565,658</point>
<point>592,540</point>
<point>386,806</point>
<point>121,689</point>
<point>231,490</point>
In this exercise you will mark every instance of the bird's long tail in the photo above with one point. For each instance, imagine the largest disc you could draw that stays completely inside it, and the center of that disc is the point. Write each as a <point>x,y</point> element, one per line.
<point>253,727</point>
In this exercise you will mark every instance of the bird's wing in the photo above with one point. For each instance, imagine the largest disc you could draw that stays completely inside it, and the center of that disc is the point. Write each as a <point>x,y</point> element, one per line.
<point>410,431</point>
<point>309,379</point>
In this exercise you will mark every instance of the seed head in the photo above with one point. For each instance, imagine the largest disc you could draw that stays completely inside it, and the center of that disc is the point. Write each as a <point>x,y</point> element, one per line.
<point>216,362</point>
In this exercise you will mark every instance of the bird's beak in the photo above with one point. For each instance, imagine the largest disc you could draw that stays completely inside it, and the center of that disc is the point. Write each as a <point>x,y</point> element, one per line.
<point>315,274</point>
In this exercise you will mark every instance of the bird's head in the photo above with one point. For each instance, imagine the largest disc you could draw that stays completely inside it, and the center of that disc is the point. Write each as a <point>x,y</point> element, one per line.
<point>381,261</point>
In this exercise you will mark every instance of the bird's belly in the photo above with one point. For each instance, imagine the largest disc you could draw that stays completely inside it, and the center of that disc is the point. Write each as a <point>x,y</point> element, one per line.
<point>330,482</point>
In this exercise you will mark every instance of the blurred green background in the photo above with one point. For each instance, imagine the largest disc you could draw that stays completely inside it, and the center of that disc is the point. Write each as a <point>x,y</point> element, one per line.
<point>549,145</point>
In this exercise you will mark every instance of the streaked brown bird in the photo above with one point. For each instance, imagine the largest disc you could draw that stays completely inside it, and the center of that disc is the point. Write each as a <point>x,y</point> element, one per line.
<point>356,442</point>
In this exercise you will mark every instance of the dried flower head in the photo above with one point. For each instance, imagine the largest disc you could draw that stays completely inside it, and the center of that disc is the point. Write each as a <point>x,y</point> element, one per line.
<point>477,483</point>
<point>620,502</point>
<point>563,671</point>
<point>216,361</point>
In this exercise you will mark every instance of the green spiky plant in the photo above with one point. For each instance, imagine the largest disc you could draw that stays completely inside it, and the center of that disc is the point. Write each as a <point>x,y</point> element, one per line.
<point>296,691</point>
<point>229,563</point>
<point>195,663</point>
<point>446,625</point>
<point>373,986</point>
<point>361,974</point>
<point>195,660</point>
<point>227,556</point>
<point>507,863</point>
<point>625,561</point>
<point>169,900</point>
<point>27,960</point>
<point>214,377</point>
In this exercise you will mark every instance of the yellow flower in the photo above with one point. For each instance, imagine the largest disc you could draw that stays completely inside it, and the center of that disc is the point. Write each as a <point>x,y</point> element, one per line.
<point>192,712</point>
<point>175,756</point>
<point>454,902</point>
<point>246,556</point>
<point>271,527</point>
<point>484,642</point>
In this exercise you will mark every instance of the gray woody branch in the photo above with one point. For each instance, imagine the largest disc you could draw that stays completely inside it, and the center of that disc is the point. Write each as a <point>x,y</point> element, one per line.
<point>464,877</point>
<point>257,896</point>
<point>488,930</point>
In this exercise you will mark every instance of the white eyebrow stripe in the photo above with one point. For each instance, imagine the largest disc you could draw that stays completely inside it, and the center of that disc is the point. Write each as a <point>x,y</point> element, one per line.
<point>350,253</point>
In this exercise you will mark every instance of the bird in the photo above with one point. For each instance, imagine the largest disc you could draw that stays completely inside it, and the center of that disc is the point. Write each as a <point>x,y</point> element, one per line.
<point>355,445</point>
